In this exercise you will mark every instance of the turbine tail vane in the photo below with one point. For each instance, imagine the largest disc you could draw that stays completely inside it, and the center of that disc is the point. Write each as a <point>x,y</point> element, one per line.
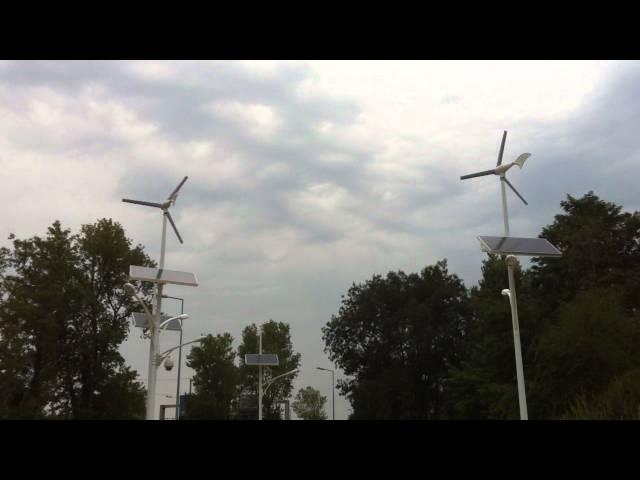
<point>521,159</point>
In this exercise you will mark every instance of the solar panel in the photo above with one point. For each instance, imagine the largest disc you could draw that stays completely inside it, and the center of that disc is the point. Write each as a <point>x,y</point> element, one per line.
<point>536,247</point>
<point>140,320</point>
<point>158,275</point>
<point>266,359</point>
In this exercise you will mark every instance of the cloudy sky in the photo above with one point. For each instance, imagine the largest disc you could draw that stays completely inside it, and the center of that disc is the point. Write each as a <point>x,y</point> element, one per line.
<point>306,176</point>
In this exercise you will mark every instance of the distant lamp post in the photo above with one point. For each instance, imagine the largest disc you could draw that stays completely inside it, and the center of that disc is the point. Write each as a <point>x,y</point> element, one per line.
<point>333,393</point>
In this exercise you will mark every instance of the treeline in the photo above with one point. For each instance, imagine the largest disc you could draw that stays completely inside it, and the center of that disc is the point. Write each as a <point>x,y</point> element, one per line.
<point>411,346</point>
<point>225,388</point>
<point>64,315</point>
<point>423,346</point>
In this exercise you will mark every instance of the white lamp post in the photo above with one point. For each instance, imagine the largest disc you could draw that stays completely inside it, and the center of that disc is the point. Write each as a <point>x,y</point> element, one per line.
<point>155,338</point>
<point>154,322</point>
<point>501,171</point>
<point>179,357</point>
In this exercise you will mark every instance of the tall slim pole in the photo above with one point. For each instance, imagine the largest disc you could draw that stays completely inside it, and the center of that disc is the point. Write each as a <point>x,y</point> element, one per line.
<point>155,334</point>
<point>522,397</point>
<point>333,395</point>
<point>260,375</point>
<point>505,212</point>
<point>511,260</point>
<point>179,363</point>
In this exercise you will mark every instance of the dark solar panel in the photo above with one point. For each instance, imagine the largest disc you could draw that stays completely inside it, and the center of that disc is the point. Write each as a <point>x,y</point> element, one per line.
<point>268,359</point>
<point>157,275</point>
<point>537,247</point>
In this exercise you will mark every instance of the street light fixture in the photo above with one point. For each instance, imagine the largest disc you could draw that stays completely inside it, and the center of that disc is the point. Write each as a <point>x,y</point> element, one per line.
<point>333,392</point>
<point>129,288</point>
<point>180,317</point>
<point>268,384</point>
<point>179,357</point>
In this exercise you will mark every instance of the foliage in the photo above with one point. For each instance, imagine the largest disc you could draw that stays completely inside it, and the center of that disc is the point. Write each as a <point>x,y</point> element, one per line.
<point>215,380</point>
<point>397,337</point>
<point>593,343</point>
<point>62,318</point>
<point>309,404</point>
<point>276,338</point>
<point>600,247</point>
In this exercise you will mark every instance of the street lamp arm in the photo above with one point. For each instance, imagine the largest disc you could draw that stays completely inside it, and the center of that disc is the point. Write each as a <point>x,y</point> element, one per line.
<point>276,378</point>
<point>168,320</point>
<point>165,354</point>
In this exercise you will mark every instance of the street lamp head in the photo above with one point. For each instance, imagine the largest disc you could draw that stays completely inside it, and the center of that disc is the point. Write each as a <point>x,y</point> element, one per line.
<point>506,292</point>
<point>168,364</point>
<point>130,289</point>
<point>183,316</point>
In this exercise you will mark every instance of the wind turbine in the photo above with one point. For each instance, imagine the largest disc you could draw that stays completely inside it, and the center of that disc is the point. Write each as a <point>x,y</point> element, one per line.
<point>501,171</point>
<point>511,260</point>
<point>154,320</point>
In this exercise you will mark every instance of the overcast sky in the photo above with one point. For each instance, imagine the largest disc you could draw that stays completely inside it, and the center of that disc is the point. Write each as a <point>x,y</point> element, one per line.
<point>306,176</point>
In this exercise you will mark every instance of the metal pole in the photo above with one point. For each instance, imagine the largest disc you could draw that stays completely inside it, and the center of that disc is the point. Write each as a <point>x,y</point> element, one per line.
<point>505,212</point>
<point>522,397</point>
<point>155,333</point>
<point>179,363</point>
<point>260,376</point>
<point>150,379</point>
<point>333,395</point>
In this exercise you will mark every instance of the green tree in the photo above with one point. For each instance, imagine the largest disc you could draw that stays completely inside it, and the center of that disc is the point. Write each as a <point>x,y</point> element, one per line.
<point>215,380</point>
<point>309,404</point>
<point>579,359</point>
<point>600,247</point>
<point>62,319</point>
<point>397,338</point>
<point>620,401</point>
<point>276,338</point>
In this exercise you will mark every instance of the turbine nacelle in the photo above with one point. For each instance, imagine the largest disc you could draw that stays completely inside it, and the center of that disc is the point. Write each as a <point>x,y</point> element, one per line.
<point>502,169</point>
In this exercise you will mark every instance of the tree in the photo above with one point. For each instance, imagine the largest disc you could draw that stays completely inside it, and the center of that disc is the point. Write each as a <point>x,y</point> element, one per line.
<point>397,337</point>
<point>580,359</point>
<point>600,247</point>
<point>309,404</point>
<point>276,338</point>
<point>215,380</point>
<point>620,401</point>
<point>62,319</point>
